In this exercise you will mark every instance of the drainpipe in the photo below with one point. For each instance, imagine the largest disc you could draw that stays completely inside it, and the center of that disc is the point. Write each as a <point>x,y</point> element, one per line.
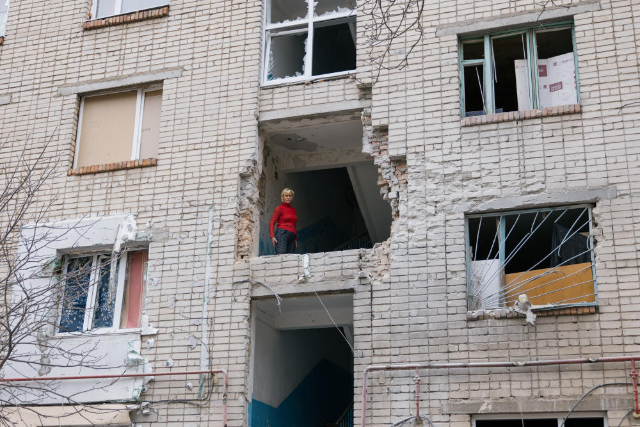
<point>156,374</point>
<point>417,366</point>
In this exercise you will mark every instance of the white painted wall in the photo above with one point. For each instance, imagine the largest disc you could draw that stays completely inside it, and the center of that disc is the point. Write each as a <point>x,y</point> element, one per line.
<point>375,210</point>
<point>115,352</point>
<point>282,359</point>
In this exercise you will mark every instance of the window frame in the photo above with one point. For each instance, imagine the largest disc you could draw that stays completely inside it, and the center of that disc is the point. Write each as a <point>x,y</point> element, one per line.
<point>532,61</point>
<point>502,254</point>
<point>528,416</point>
<point>137,126</point>
<point>301,26</point>
<point>5,17</point>
<point>94,283</point>
<point>118,8</point>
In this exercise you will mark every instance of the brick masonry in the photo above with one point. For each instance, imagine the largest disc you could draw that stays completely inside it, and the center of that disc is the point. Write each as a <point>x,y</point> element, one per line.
<point>410,306</point>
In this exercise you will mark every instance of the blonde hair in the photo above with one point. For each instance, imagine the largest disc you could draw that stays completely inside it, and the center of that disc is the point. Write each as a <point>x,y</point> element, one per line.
<point>286,191</point>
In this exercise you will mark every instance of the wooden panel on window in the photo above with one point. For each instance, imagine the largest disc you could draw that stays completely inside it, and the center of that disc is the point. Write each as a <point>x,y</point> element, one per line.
<point>134,287</point>
<point>107,129</point>
<point>568,284</point>
<point>150,133</point>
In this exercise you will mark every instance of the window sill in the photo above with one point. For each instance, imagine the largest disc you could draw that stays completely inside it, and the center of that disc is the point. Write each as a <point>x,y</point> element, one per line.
<point>98,333</point>
<point>111,167</point>
<point>507,313</point>
<point>326,77</point>
<point>141,15</point>
<point>521,115</point>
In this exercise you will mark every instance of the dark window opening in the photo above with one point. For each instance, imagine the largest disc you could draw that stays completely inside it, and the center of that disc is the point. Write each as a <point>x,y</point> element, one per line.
<point>507,52</point>
<point>542,422</point>
<point>334,48</point>
<point>474,91</point>
<point>554,42</point>
<point>546,254</point>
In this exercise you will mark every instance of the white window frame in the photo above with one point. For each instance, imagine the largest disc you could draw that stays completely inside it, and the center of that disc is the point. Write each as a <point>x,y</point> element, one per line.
<point>5,18</point>
<point>92,294</point>
<point>559,416</point>
<point>118,9</point>
<point>137,126</point>
<point>296,27</point>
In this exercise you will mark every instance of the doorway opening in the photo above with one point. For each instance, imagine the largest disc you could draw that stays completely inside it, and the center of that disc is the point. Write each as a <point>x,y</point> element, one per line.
<point>302,365</point>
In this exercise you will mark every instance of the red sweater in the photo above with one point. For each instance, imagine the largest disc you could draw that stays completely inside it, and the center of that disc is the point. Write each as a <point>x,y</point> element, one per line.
<point>286,218</point>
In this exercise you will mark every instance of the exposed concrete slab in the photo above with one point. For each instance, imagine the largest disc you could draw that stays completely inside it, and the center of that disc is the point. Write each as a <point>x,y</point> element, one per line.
<point>105,84</point>
<point>305,288</point>
<point>532,406</point>
<point>5,99</point>
<point>343,107</point>
<point>506,22</point>
<point>539,200</point>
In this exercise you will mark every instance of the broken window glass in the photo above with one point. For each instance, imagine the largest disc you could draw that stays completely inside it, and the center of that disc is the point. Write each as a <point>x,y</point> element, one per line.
<point>74,302</point>
<point>334,49</point>
<point>287,56</point>
<point>106,295</point>
<point>91,292</point>
<point>510,77</point>
<point>282,11</point>
<point>546,254</point>
<point>556,68</point>
<point>328,7</point>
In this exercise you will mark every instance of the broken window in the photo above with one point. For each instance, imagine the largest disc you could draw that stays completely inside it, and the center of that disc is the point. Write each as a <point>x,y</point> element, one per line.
<point>521,70</point>
<point>100,294</point>
<point>4,11</point>
<point>104,8</point>
<point>309,38</point>
<point>118,127</point>
<point>545,254</point>
<point>531,420</point>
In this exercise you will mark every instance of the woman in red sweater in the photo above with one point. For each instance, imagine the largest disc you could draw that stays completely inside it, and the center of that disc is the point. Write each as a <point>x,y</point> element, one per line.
<point>284,239</point>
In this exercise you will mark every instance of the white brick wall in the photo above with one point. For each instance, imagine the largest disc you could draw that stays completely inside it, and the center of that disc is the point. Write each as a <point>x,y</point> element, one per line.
<point>209,131</point>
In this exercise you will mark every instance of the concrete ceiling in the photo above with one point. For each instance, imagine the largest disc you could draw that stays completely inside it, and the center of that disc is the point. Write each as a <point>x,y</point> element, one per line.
<point>320,137</point>
<point>305,304</point>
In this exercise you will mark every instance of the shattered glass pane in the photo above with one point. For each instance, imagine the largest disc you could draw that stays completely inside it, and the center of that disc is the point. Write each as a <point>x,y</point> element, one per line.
<point>328,7</point>
<point>4,9</point>
<point>74,304</point>
<point>135,5</point>
<point>282,11</point>
<point>106,297</point>
<point>287,56</point>
<point>105,8</point>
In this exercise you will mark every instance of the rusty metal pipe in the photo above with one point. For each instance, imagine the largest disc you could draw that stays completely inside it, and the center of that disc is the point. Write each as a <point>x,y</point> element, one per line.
<point>118,376</point>
<point>416,366</point>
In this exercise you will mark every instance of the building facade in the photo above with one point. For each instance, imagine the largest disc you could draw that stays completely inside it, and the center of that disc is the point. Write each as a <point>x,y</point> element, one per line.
<point>474,199</point>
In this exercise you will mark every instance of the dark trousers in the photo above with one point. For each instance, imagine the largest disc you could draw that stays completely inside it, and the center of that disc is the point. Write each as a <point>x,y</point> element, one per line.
<point>286,241</point>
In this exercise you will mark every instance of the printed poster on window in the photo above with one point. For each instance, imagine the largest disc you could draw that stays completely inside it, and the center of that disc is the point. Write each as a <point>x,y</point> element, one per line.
<point>557,81</point>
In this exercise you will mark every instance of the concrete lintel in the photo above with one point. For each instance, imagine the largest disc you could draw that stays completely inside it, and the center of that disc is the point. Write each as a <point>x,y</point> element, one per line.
<point>561,405</point>
<point>541,200</point>
<point>342,107</point>
<point>506,22</point>
<point>5,99</point>
<point>304,289</point>
<point>106,84</point>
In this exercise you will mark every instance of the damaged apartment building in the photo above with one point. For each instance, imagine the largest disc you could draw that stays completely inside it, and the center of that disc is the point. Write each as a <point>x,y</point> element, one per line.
<point>467,187</point>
